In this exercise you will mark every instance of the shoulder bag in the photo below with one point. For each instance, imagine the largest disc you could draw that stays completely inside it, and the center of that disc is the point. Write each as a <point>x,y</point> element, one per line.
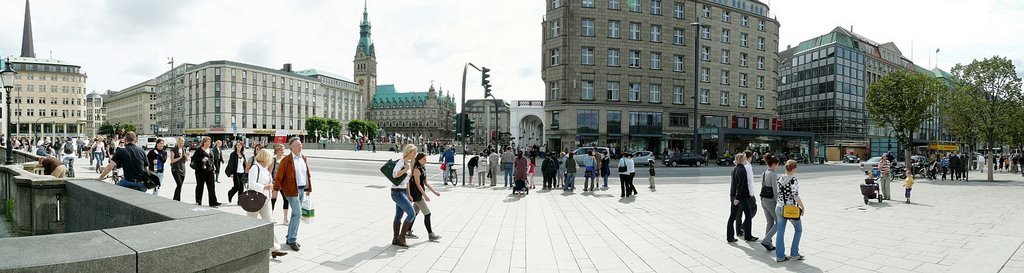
<point>766,191</point>
<point>791,212</point>
<point>388,171</point>
<point>622,166</point>
<point>251,200</point>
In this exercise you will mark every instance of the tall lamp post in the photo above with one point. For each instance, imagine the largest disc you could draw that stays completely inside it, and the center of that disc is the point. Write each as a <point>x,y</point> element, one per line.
<point>462,110</point>
<point>7,77</point>
<point>696,82</point>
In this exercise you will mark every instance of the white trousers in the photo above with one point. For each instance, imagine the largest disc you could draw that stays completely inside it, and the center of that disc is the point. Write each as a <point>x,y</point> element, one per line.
<point>265,214</point>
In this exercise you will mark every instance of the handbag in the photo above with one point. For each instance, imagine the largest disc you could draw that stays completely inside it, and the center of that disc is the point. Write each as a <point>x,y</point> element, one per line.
<point>791,212</point>
<point>388,171</point>
<point>766,192</point>
<point>622,166</point>
<point>251,200</point>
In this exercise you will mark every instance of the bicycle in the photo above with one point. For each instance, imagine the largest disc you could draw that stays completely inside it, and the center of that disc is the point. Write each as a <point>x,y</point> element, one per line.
<point>453,176</point>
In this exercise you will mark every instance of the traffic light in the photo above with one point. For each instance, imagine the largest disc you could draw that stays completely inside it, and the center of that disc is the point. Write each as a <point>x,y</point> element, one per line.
<point>485,82</point>
<point>467,129</point>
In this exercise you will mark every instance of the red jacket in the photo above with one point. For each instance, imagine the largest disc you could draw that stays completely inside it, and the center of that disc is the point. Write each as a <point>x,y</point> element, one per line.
<point>284,180</point>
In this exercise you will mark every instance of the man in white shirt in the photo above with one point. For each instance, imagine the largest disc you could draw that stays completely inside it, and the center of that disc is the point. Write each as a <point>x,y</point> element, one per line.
<point>751,186</point>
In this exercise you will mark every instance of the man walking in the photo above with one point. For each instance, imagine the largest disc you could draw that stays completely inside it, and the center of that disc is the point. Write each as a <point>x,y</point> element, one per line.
<point>506,162</point>
<point>954,165</point>
<point>493,159</point>
<point>218,158</point>
<point>883,166</point>
<point>294,181</point>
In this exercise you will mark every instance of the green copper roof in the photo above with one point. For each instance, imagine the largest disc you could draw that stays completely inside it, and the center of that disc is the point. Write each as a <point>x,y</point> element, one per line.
<point>836,36</point>
<point>387,94</point>
<point>365,43</point>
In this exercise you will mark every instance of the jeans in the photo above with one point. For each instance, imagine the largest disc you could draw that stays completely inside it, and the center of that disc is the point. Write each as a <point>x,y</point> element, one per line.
<point>98,157</point>
<point>447,171</point>
<point>780,241</point>
<point>139,186</point>
<point>293,223</point>
<point>402,206</point>
<point>508,174</point>
<point>156,190</point>
<point>570,181</point>
<point>605,176</point>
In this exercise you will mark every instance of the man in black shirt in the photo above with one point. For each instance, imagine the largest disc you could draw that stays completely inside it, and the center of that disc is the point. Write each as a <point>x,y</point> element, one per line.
<point>132,160</point>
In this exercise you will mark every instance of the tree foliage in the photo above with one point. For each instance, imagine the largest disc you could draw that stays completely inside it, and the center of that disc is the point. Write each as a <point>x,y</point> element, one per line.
<point>991,90</point>
<point>108,129</point>
<point>366,127</point>
<point>325,126</point>
<point>903,100</point>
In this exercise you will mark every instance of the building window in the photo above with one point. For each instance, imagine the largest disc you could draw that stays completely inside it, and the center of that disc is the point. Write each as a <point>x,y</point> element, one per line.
<point>743,59</point>
<point>704,96</point>
<point>677,36</point>
<point>587,56</point>
<point>743,100</point>
<point>705,33</point>
<point>655,60</point>
<point>634,59</point>
<point>554,120</point>
<point>760,82</point>
<point>760,43</point>
<point>725,77</point>
<point>555,28</point>
<point>707,12</point>
<point>634,31</point>
<point>587,121</point>
<point>587,27</point>
<point>760,25</point>
<point>613,91</point>
<point>743,79</point>
<point>743,20</point>
<point>743,39</point>
<point>645,123</point>
<point>725,16</point>
<point>725,56</point>
<point>613,4</point>
<point>554,91</point>
<point>587,90</point>
<point>634,91</point>
<point>554,56</point>
<point>724,98</point>
<point>760,102</point>
<point>613,57</point>
<point>634,5</point>
<point>655,92</point>
<point>677,94</point>
<point>677,63</point>
<point>760,62</point>
<point>705,74</point>
<point>613,29</point>
<point>655,7</point>
<point>614,122</point>
<point>742,122</point>
<point>725,36</point>
<point>678,120</point>
<point>655,33</point>
<point>588,3</point>
<point>705,53</point>
<point>556,4</point>
<point>677,10</point>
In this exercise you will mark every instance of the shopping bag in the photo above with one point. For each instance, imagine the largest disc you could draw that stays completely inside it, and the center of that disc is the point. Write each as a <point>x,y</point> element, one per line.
<point>307,210</point>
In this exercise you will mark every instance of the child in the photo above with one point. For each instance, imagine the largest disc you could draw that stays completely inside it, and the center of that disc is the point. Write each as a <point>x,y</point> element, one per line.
<point>908,184</point>
<point>532,185</point>
<point>650,168</point>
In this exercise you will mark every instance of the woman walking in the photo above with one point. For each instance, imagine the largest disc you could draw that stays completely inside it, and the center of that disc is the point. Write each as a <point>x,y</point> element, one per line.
<point>419,177</point>
<point>560,177</point>
<point>202,163</point>
<point>401,195</point>
<point>740,197</point>
<point>157,157</point>
<point>278,156</point>
<point>520,168</point>
<point>769,190</point>
<point>236,170</point>
<point>260,180</point>
<point>178,159</point>
<point>532,173</point>
<point>789,195</point>
<point>624,175</point>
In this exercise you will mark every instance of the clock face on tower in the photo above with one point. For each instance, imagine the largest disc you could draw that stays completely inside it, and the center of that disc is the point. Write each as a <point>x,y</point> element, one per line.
<point>360,81</point>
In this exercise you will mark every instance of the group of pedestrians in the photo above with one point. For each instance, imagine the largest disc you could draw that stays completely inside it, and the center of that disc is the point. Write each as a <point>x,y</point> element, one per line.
<point>409,196</point>
<point>777,194</point>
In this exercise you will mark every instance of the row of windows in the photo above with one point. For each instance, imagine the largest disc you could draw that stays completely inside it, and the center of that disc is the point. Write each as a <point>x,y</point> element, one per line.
<point>678,9</point>
<point>53,113</point>
<point>53,77</point>
<point>53,89</point>
<point>634,58</point>
<point>44,68</point>
<point>705,76</point>
<point>634,93</point>
<point>42,100</point>
<point>588,29</point>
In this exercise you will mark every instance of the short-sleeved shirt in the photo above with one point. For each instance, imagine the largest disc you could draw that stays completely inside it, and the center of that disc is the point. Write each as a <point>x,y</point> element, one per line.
<point>132,159</point>
<point>398,167</point>
<point>179,166</point>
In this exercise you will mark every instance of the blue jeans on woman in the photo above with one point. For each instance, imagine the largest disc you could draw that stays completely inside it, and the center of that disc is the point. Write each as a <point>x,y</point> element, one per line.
<point>293,223</point>
<point>402,205</point>
<point>780,241</point>
<point>99,158</point>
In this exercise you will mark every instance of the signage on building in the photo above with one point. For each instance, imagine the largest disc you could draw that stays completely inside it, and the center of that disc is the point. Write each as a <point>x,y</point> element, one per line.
<point>263,132</point>
<point>195,131</point>
<point>217,129</point>
<point>943,147</point>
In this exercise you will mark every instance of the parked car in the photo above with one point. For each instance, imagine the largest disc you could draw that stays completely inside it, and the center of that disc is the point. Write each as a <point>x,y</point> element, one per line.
<point>690,159</point>
<point>641,157</point>
<point>800,158</point>
<point>871,164</point>
<point>725,161</point>
<point>851,159</point>
<point>581,152</point>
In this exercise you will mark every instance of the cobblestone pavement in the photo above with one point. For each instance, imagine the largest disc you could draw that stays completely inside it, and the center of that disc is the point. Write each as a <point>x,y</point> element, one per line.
<point>949,227</point>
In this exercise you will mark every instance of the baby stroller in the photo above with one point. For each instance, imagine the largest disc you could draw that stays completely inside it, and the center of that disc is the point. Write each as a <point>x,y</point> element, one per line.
<point>519,187</point>
<point>870,190</point>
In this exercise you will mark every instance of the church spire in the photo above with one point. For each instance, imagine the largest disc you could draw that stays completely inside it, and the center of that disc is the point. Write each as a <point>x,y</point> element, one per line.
<point>27,50</point>
<point>365,43</point>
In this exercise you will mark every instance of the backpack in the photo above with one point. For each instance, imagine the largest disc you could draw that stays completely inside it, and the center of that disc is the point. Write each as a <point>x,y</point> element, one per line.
<point>67,148</point>
<point>388,171</point>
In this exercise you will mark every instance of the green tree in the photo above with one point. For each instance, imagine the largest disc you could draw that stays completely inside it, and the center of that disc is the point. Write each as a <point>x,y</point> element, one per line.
<point>366,127</point>
<point>990,89</point>
<point>106,129</point>
<point>903,100</point>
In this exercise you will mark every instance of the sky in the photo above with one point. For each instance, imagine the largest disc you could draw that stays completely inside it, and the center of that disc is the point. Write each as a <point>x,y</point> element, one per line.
<point>120,43</point>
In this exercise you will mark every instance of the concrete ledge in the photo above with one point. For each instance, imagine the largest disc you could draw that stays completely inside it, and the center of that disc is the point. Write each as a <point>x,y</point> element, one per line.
<point>92,251</point>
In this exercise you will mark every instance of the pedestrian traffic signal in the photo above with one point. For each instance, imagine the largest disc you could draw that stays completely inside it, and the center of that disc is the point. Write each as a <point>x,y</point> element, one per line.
<point>485,82</point>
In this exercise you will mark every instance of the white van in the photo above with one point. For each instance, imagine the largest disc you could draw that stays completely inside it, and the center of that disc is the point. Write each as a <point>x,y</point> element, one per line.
<point>150,142</point>
<point>581,153</point>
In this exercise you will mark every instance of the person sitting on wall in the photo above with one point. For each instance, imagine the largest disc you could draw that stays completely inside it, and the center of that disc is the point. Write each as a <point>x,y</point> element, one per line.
<point>49,164</point>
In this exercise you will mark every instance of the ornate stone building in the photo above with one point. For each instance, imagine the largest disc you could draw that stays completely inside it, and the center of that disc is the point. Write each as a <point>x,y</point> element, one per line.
<point>414,114</point>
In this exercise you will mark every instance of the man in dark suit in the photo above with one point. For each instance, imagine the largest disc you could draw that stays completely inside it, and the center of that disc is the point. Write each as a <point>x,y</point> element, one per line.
<point>955,166</point>
<point>963,166</point>
<point>218,159</point>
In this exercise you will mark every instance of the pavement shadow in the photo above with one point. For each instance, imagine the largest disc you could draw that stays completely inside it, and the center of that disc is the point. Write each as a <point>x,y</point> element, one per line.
<point>512,198</point>
<point>568,193</point>
<point>627,200</point>
<point>918,204</point>
<point>758,253</point>
<point>604,195</point>
<point>376,252</point>
<point>975,183</point>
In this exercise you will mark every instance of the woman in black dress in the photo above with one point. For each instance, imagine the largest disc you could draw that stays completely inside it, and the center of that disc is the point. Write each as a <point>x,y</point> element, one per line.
<point>202,163</point>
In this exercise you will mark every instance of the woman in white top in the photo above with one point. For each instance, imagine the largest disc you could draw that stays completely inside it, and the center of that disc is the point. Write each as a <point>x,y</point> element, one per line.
<point>627,169</point>
<point>403,197</point>
<point>260,180</point>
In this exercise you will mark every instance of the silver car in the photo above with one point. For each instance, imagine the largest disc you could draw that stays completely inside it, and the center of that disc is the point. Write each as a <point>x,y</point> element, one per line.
<point>642,158</point>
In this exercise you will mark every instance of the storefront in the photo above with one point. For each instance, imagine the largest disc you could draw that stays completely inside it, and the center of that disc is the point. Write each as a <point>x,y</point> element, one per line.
<point>720,141</point>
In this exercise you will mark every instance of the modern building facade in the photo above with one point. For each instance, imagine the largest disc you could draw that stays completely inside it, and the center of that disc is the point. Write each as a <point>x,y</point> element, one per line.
<point>620,73</point>
<point>823,89</point>
<point>486,114</point>
<point>425,115</point>
<point>94,113</point>
<point>136,105</point>
<point>49,94</point>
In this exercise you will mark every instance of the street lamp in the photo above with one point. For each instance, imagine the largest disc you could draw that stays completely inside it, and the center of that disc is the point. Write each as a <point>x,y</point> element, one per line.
<point>696,82</point>
<point>7,77</point>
